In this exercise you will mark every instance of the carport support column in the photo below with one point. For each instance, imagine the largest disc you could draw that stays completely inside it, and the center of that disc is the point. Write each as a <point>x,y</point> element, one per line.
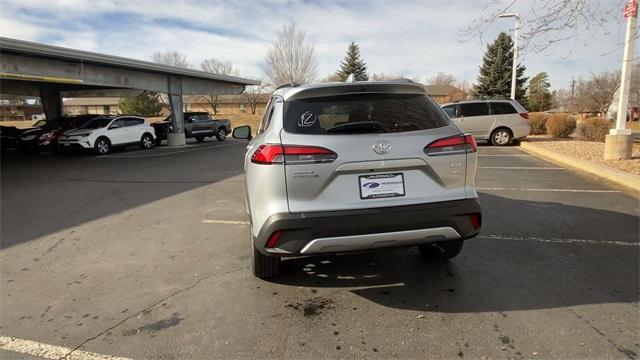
<point>177,137</point>
<point>51,101</point>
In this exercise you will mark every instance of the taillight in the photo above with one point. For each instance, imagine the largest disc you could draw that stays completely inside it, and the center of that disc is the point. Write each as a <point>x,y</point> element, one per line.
<point>292,154</point>
<point>268,154</point>
<point>452,145</point>
<point>524,115</point>
<point>476,220</point>
<point>273,240</point>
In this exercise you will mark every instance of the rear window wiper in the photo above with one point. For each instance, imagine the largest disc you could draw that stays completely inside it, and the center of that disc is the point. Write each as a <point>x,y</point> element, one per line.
<point>356,127</point>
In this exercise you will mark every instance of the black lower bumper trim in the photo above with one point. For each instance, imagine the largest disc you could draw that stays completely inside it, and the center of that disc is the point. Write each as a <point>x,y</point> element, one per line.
<point>298,229</point>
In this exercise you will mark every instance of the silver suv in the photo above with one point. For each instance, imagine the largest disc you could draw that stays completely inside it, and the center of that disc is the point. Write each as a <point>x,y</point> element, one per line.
<point>343,167</point>
<point>497,121</point>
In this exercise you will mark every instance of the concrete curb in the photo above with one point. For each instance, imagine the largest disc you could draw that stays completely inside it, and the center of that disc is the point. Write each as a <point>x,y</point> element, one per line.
<point>629,181</point>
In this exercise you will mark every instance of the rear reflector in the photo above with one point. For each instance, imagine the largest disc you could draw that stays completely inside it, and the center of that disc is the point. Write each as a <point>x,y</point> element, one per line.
<point>452,145</point>
<point>476,220</point>
<point>524,115</point>
<point>292,154</point>
<point>273,240</point>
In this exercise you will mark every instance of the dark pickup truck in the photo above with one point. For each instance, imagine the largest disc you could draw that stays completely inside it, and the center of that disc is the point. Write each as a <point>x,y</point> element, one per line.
<point>197,125</point>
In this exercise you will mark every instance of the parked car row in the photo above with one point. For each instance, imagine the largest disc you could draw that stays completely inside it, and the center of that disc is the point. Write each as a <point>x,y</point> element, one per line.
<point>101,133</point>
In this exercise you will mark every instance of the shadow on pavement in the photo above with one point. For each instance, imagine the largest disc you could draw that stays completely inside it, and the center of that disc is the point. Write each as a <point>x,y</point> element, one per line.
<point>44,194</point>
<point>495,275</point>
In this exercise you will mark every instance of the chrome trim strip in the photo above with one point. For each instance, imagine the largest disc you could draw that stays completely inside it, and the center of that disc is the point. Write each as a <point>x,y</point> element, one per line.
<point>379,240</point>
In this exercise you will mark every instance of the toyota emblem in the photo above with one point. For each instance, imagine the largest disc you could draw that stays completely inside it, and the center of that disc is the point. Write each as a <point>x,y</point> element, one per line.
<point>382,147</point>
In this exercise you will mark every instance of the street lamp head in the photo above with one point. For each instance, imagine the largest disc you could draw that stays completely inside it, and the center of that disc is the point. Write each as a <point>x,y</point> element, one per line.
<point>509,15</point>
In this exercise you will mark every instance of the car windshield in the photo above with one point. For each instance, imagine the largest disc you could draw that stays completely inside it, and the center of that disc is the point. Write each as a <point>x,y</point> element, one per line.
<point>96,123</point>
<point>362,113</point>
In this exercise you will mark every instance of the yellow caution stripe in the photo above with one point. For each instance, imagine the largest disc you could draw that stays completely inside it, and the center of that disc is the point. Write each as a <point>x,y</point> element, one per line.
<point>52,79</point>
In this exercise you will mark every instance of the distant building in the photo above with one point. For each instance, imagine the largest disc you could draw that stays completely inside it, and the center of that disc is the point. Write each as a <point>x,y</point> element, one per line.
<point>224,104</point>
<point>91,106</point>
<point>442,94</point>
<point>19,109</point>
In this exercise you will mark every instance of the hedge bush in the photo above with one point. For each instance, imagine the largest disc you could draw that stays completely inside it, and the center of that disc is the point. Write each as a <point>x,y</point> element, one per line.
<point>537,121</point>
<point>560,125</point>
<point>595,128</point>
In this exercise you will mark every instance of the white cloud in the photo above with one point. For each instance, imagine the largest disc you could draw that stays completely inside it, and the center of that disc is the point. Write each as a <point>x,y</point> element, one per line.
<point>399,37</point>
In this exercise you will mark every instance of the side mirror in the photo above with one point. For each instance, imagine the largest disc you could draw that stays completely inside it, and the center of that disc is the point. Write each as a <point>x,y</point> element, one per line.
<point>114,126</point>
<point>242,132</point>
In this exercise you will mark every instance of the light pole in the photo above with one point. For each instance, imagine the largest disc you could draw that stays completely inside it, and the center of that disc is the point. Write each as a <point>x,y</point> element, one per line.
<point>619,143</point>
<point>515,52</point>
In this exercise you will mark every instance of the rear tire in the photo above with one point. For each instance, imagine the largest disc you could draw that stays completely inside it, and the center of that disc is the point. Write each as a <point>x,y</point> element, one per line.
<point>146,142</point>
<point>441,251</point>
<point>222,134</point>
<point>264,267</point>
<point>501,137</point>
<point>199,138</point>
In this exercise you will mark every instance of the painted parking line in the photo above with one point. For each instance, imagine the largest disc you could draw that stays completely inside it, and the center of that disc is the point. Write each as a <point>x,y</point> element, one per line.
<point>557,240</point>
<point>547,190</point>
<point>168,153</point>
<point>48,351</point>
<point>520,167</point>
<point>227,222</point>
<point>506,155</point>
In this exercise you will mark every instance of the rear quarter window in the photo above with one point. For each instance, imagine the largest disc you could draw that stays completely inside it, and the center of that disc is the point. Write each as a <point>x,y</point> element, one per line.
<point>362,113</point>
<point>134,122</point>
<point>502,108</point>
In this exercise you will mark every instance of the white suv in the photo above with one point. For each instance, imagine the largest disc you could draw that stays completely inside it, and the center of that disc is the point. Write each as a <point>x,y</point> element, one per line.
<point>104,132</point>
<point>341,167</point>
<point>497,121</point>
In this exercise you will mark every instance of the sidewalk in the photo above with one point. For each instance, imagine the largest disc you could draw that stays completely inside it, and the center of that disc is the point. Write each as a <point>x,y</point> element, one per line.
<point>586,157</point>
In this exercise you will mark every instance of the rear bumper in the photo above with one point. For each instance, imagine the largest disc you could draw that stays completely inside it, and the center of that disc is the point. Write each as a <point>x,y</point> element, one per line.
<point>520,132</point>
<point>367,229</point>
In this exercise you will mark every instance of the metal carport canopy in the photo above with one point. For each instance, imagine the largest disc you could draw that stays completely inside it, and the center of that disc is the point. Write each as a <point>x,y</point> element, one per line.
<point>27,68</point>
<point>23,60</point>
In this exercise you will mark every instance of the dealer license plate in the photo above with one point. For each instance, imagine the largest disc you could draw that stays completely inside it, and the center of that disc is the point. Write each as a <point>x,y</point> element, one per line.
<point>381,186</point>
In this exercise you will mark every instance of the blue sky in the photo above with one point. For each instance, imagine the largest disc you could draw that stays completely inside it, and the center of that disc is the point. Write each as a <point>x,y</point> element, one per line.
<point>412,38</point>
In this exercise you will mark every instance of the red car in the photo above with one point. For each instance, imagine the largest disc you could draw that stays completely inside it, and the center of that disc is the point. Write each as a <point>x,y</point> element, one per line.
<point>45,137</point>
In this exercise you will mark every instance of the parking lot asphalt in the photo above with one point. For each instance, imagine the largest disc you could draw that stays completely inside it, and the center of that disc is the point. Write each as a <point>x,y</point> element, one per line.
<point>145,254</point>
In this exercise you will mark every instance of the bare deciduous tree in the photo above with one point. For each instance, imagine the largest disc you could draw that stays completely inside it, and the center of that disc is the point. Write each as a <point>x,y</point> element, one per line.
<point>464,85</point>
<point>171,58</point>
<point>254,95</point>
<point>441,79</point>
<point>550,21</point>
<point>212,101</point>
<point>598,92</point>
<point>220,67</point>
<point>291,59</point>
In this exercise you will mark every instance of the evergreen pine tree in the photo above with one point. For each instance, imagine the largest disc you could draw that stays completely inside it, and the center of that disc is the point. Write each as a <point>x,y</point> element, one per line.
<point>539,97</point>
<point>494,80</point>
<point>144,104</point>
<point>353,64</point>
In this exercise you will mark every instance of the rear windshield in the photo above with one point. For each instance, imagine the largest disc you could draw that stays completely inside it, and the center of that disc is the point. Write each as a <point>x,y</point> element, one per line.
<point>362,113</point>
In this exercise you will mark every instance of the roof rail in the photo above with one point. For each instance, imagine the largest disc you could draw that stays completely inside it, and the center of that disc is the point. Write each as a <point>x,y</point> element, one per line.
<point>287,85</point>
